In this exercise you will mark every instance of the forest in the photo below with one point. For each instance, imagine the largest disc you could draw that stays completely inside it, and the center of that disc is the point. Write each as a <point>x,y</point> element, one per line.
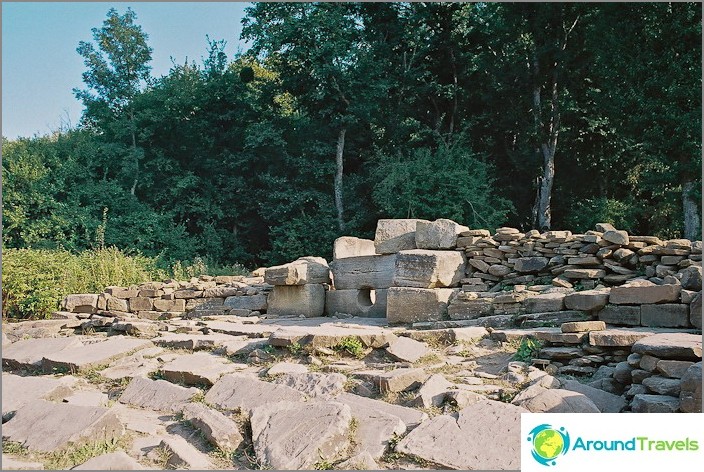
<point>530,115</point>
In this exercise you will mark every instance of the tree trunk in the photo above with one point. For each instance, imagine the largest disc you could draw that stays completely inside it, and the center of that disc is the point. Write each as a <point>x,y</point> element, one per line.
<point>134,154</point>
<point>692,223</point>
<point>339,167</point>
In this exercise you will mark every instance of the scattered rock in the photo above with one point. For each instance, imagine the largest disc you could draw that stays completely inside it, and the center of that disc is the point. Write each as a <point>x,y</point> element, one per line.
<point>118,460</point>
<point>218,429</point>
<point>182,455</point>
<point>314,384</point>
<point>28,353</point>
<point>407,350</point>
<point>691,390</point>
<point>200,368</point>
<point>683,346</point>
<point>244,392</point>
<point>644,403</point>
<point>560,401</point>
<point>604,401</point>
<point>84,357</point>
<point>156,394</point>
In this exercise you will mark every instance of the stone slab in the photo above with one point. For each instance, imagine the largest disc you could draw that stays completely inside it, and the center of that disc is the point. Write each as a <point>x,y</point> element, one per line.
<point>156,394</point>
<point>646,403</point>
<point>644,294</point>
<point>407,350</point>
<point>620,315</point>
<point>44,426</point>
<point>314,384</point>
<point>605,401</point>
<point>200,368</point>
<point>669,315</point>
<point>305,270</point>
<point>684,346</point>
<point>244,392</point>
<point>457,442</point>
<point>218,429</point>
<point>587,300</point>
<point>28,353</point>
<point>409,305</point>
<point>297,300</point>
<point>422,268</point>
<point>364,272</point>
<point>348,246</point>
<point>409,416</point>
<point>181,454</point>
<point>85,357</point>
<point>18,391</point>
<point>395,235</point>
<point>118,460</point>
<point>258,302</point>
<point>618,337</point>
<point>439,234</point>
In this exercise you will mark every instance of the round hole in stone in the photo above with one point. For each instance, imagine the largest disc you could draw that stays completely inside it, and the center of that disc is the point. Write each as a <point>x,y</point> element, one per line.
<point>366,297</point>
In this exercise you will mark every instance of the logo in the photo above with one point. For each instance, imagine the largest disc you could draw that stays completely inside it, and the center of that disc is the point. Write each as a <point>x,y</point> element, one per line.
<point>548,443</point>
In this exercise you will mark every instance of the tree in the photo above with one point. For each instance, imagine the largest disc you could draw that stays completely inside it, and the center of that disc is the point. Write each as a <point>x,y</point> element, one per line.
<point>117,69</point>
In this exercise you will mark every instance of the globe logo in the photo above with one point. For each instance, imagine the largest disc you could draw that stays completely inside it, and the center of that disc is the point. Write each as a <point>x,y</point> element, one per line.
<point>548,443</point>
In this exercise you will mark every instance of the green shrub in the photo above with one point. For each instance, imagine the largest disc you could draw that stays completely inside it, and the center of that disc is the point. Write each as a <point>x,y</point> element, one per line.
<point>351,345</point>
<point>35,280</point>
<point>527,349</point>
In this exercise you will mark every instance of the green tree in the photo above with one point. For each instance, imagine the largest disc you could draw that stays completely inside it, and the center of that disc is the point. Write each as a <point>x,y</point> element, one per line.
<point>117,70</point>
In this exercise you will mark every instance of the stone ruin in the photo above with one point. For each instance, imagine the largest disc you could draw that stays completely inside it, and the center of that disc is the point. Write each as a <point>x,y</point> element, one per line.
<point>401,352</point>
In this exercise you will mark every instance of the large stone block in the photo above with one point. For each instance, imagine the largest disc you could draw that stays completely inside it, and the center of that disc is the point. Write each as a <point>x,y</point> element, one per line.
<point>393,236</point>
<point>668,315</point>
<point>691,390</point>
<point>422,268</point>
<point>366,303</point>
<point>80,303</point>
<point>438,234</point>
<point>620,315</point>
<point>683,346</point>
<point>588,300</point>
<point>348,246</point>
<point>247,302</point>
<point>468,306</point>
<point>545,302</point>
<point>528,265</point>
<point>644,294</point>
<point>306,300</point>
<point>363,272</point>
<point>695,311</point>
<point>305,270</point>
<point>408,305</point>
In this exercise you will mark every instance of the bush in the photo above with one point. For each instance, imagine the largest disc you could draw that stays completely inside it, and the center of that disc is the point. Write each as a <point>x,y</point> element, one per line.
<point>35,280</point>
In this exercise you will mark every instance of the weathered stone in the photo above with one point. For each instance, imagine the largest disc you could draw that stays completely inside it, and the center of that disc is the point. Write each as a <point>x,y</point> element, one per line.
<point>305,270</point>
<point>44,426</point>
<point>141,304</point>
<point>663,386</point>
<point>244,392</point>
<point>560,401</point>
<point>217,428</point>
<point>170,305</point>
<point>408,305</point>
<point>409,416</point>
<point>200,304</point>
<point>122,292</point>
<point>80,303</point>
<point>604,401</point>
<point>695,311</point>
<point>118,460</point>
<point>84,357</point>
<point>432,392</point>
<point>366,303</point>
<point>644,294</point>
<point>463,398</point>
<point>618,337</point>
<point>422,268</point>
<point>584,273</point>
<point>182,455</point>
<point>616,237</point>
<point>648,363</point>
<point>142,329</point>
<point>554,317</point>
<point>401,380</point>
<point>692,278</point>
<point>499,270</point>
<point>156,394</point>
<point>691,389</point>
<point>18,391</point>
<point>479,264</point>
<point>582,326</point>
<point>555,335</point>
<point>620,315</point>
<point>457,442</point>
<point>644,403</point>
<point>223,292</point>
<point>290,435</point>
<point>639,375</point>
<point>560,352</point>
<point>588,300</point>
<point>10,463</point>
<point>314,384</point>
<point>396,235</point>
<point>683,346</point>
<point>347,246</point>
<point>194,341</point>
<point>306,300</point>
<point>545,302</point>
<point>286,368</point>
<point>28,353</point>
<point>407,350</point>
<point>201,368</point>
<point>464,307</point>
<point>438,234</point>
<point>623,373</point>
<point>247,302</point>
<point>187,293</point>
<point>364,272</point>
<point>361,461</point>
<point>530,265</point>
<point>668,315</point>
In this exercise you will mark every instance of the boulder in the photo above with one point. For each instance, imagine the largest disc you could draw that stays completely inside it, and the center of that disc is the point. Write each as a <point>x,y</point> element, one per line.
<point>401,380</point>
<point>244,392</point>
<point>588,300</point>
<point>692,278</point>
<point>395,235</point>
<point>44,426</point>
<point>291,435</point>
<point>305,270</point>
<point>408,305</point>
<point>691,389</point>
<point>347,246</point>
<point>306,300</point>
<point>438,234</point>
<point>485,435</point>
<point>673,369</point>
<point>432,392</point>
<point>606,402</point>
<point>421,268</point>
<point>616,237</point>
<point>644,294</point>
<point>365,303</point>
<point>218,429</point>
<point>645,403</point>
<point>663,386</point>
<point>669,315</point>
<point>157,395</point>
<point>363,272</point>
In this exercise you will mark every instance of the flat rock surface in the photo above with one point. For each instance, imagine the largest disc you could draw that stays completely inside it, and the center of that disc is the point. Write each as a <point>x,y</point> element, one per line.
<point>406,349</point>
<point>10,463</point>
<point>118,460</point>
<point>183,455</point>
<point>200,368</point>
<point>194,342</point>
<point>560,401</point>
<point>28,353</point>
<point>156,394</point>
<point>410,416</point>
<point>45,426</point>
<point>293,435</point>
<point>605,401</point>
<point>671,346</point>
<point>19,391</point>
<point>218,429</point>
<point>245,392</point>
<point>314,384</point>
<point>484,436</point>
<point>84,357</point>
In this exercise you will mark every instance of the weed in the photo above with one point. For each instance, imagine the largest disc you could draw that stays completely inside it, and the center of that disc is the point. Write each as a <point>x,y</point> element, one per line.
<point>295,349</point>
<point>12,447</point>
<point>351,345</point>
<point>199,397</point>
<point>527,349</point>
<point>428,359</point>
<point>74,455</point>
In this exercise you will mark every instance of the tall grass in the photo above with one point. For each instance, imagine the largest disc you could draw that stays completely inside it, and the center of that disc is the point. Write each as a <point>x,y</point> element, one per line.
<point>35,280</point>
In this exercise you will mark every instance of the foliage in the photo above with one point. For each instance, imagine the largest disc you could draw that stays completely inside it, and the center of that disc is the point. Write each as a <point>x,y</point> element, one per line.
<point>350,345</point>
<point>528,348</point>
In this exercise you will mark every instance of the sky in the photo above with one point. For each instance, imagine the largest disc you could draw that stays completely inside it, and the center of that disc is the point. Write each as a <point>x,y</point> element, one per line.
<point>40,65</point>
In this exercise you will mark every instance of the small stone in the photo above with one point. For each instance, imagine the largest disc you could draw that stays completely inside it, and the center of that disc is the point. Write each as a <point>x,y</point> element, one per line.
<point>218,429</point>
<point>616,237</point>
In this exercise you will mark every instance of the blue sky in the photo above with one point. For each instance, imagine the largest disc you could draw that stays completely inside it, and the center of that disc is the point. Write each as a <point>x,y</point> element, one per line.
<point>40,65</point>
